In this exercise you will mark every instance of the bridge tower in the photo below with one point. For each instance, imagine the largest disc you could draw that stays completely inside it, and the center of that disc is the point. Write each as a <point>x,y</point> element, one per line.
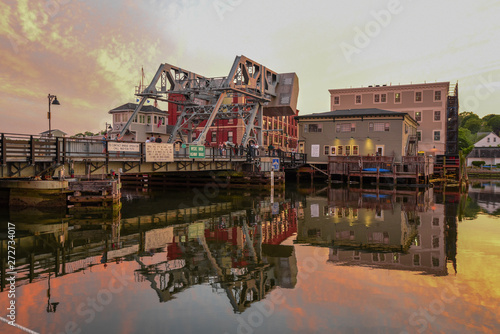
<point>262,91</point>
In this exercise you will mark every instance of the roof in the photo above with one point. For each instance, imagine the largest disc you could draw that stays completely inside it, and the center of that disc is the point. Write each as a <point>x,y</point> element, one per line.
<point>354,113</point>
<point>132,106</point>
<point>53,130</point>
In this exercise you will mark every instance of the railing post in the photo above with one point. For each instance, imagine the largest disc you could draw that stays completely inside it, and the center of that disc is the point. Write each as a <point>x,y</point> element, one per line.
<point>63,158</point>
<point>4,150</point>
<point>58,150</point>
<point>32,151</point>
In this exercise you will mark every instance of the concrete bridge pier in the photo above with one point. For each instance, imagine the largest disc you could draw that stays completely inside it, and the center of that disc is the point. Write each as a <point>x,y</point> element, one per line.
<point>33,193</point>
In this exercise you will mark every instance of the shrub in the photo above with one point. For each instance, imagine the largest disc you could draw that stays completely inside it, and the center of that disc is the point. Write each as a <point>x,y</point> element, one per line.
<point>478,163</point>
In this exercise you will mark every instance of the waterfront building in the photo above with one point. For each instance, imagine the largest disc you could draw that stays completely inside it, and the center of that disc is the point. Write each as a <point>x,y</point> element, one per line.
<point>433,105</point>
<point>150,121</point>
<point>357,132</point>
<point>486,149</point>
<point>55,133</point>
<point>279,131</point>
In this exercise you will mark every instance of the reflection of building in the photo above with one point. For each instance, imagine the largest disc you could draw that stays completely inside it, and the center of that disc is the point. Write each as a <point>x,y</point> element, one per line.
<point>379,230</point>
<point>237,252</point>
<point>486,195</point>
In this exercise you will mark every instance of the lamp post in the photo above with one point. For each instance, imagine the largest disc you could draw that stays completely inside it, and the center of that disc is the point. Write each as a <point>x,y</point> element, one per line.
<point>52,100</point>
<point>108,127</point>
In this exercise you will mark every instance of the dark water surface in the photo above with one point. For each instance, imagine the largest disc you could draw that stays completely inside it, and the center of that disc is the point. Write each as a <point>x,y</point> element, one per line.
<point>305,261</point>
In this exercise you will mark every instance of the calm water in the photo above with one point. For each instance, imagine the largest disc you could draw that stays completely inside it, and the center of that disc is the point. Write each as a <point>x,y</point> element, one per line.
<point>305,261</point>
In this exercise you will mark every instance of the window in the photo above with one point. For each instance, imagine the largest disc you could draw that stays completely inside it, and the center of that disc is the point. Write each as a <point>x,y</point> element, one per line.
<point>116,118</point>
<point>418,96</point>
<point>437,115</point>
<point>346,127</point>
<point>149,119</point>
<point>437,95</point>
<point>358,99</point>
<point>214,136</point>
<point>231,121</point>
<point>336,100</point>
<point>419,135</point>
<point>124,117</point>
<point>326,150</point>
<point>339,150</point>
<point>135,119</point>
<point>376,98</point>
<point>437,135</point>
<point>416,259</point>
<point>379,126</point>
<point>348,150</point>
<point>418,116</point>
<point>435,221</point>
<point>488,140</point>
<point>155,120</point>
<point>230,136</point>
<point>383,98</point>
<point>355,150</point>
<point>370,126</point>
<point>397,97</point>
<point>435,261</point>
<point>333,150</point>
<point>435,241</point>
<point>313,128</point>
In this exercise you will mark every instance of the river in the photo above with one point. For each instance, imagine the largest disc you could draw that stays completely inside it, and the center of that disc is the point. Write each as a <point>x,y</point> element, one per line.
<point>306,260</point>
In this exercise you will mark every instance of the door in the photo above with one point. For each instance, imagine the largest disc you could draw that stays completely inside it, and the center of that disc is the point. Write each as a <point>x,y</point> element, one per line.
<point>379,150</point>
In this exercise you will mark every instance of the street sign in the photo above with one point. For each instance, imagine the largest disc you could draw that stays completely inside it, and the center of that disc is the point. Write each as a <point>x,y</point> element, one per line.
<point>276,164</point>
<point>196,151</point>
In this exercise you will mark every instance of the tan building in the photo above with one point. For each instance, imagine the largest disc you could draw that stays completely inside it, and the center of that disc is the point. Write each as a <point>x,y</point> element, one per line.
<point>426,103</point>
<point>356,132</point>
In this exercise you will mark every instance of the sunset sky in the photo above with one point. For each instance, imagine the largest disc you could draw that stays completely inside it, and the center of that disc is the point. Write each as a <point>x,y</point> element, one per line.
<point>89,53</point>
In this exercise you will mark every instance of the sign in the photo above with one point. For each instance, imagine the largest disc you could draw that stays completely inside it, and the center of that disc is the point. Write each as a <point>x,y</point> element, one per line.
<point>123,147</point>
<point>276,163</point>
<point>196,151</point>
<point>315,151</point>
<point>159,152</point>
<point>276,209</point>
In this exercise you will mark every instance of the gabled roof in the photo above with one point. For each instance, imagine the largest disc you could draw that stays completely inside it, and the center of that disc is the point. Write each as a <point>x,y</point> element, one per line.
<point>132,106</point>
<point>53,130</point>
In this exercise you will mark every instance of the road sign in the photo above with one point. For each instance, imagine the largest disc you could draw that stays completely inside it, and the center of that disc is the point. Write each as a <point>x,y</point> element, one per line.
<point>196,151</point>
<point>276,164</point>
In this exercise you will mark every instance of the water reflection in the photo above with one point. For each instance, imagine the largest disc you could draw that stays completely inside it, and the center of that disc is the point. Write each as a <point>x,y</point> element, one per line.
<point>233,245</point>
<point>400,230</point>
<point>230,255</point>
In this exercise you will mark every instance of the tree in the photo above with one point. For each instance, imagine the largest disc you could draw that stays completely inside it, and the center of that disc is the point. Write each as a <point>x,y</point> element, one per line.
<point>465,138</point>
<point>494,123</point>
<point>473,124</point>
<point>463,117</point>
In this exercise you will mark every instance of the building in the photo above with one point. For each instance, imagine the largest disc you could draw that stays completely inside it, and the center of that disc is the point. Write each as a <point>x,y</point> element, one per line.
<point>280,131</point>
<point>55,133</point>
<point>433,105</point>
<point>148,122</point>
<point>356,132</point>
<point>487,149</point>
<point>490,140</point>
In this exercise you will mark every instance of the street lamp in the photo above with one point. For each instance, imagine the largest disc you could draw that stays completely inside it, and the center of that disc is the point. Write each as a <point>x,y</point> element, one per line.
<point>108,127</point>
<point>52,100</point>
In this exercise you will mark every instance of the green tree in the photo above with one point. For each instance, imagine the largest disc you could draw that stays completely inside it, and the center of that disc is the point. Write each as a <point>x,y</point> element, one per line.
<point>465,138</point>
<point>463,117</point>
<point>494,123</point>
<point>473,124</point>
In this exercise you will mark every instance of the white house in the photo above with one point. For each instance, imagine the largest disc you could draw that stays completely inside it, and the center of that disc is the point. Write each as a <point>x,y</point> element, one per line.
<point>487,149</point>
<point>491,140</point>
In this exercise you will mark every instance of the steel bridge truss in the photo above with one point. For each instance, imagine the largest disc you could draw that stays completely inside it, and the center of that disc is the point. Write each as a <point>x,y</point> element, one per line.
<point>203,98</point>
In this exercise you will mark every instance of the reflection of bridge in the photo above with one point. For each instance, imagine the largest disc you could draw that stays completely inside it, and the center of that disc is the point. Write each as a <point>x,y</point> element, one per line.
<point>28,156</point>
<point>236,251</point>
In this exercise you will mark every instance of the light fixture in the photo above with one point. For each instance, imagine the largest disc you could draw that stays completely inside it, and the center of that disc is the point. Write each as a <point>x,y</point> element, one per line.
<point>52,100</point>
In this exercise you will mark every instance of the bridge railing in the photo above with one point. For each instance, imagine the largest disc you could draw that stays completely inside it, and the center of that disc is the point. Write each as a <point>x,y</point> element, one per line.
<point>31,149</point>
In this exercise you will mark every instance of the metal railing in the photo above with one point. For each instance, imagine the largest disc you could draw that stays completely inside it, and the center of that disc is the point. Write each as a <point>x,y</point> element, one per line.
<point>32,149</point>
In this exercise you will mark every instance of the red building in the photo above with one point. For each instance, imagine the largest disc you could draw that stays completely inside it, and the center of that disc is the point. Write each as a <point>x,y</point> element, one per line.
<point>280,131</point>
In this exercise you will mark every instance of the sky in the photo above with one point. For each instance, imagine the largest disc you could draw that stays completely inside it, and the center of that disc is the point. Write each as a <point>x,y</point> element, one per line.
<point>90,53</point>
